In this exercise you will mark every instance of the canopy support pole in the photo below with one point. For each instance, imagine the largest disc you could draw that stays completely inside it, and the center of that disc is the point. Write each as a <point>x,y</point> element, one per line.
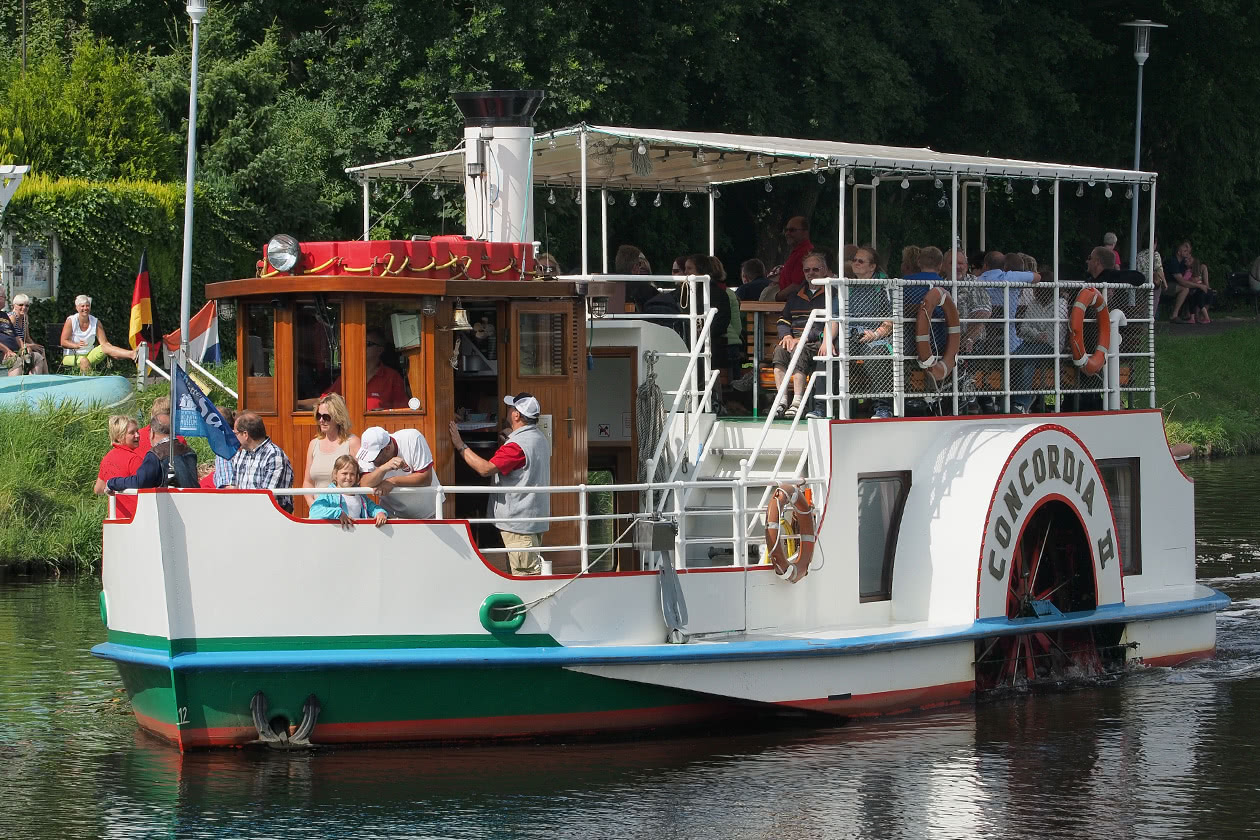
<point>953,267</point>
<point>1150,278</point>
<point>586,266</point>
<point>1058,327</point>
<point>367,209</point>
<point>603,227</point>
<point>712,222</point>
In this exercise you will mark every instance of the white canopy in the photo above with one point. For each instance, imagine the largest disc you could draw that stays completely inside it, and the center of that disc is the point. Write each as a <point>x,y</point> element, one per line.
<point>620,158</point>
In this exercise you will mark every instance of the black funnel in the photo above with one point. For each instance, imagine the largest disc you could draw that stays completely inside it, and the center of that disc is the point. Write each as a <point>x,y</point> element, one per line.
<point>499,107</point>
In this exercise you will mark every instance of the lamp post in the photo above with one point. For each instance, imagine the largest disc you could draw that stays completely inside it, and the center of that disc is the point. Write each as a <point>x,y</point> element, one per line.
<point>1141,51</point>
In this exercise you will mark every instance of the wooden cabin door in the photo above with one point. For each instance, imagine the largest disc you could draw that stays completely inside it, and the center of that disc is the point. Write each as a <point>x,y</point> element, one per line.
<point>547,340</point>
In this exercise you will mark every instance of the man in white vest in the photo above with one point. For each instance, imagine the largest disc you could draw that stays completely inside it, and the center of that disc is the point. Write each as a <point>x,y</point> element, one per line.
<point>524,460</point>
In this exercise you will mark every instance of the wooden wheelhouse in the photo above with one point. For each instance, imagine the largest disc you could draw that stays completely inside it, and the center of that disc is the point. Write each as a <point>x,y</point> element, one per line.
<point>457,322</point>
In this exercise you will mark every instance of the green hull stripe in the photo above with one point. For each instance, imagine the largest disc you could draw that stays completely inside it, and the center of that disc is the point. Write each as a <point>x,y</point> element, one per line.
<point>250,643</point>
<point>363,695</point>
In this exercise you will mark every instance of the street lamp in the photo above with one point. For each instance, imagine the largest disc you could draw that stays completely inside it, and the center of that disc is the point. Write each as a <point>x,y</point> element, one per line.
<point>1141,51</point>
<point>196,11</point>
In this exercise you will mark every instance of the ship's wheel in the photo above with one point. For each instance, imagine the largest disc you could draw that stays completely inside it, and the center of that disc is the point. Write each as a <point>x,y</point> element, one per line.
<point>1051,571</point>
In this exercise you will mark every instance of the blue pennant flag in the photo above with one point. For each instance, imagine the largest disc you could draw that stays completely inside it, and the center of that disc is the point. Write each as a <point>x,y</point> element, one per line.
<point>196,416</point>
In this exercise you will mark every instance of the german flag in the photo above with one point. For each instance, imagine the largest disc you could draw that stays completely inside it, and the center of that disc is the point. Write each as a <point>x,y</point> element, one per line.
<point>141,306</point>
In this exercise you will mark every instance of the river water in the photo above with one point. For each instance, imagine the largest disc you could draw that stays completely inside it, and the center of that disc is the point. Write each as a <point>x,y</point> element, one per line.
<point>1154,753</point>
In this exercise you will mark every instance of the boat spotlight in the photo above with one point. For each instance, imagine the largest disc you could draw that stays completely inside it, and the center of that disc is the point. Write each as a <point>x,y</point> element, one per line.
<point>283,252</point>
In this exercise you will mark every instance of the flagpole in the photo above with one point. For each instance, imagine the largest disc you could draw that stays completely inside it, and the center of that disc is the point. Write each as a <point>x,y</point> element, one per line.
<point>196,11</point>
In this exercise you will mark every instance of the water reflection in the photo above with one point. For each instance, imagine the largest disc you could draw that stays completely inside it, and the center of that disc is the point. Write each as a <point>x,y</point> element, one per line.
<point>1158,753</point>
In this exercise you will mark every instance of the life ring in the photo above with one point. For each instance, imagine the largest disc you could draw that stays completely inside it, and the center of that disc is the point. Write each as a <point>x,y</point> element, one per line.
<point>938,368</point>
<point>1092,363</point>
<point>790,532</point>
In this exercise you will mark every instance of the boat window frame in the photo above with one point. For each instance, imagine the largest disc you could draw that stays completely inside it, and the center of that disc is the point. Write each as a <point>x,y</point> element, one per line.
<point>890,537</point>
<point>261,393</point>
<point>1128,565</point>
<point>549,308</point>
<point>296,306</point>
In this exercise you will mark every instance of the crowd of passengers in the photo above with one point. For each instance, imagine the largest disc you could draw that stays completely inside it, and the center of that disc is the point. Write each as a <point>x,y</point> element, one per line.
<point>1034,311</point>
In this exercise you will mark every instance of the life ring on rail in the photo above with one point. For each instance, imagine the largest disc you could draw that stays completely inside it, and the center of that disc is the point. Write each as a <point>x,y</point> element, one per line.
<point>938,368</point>
<point>1092,363</point>
<point>790,531</point>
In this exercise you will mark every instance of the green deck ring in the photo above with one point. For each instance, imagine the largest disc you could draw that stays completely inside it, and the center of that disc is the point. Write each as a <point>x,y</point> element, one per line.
<point>497,602</point>
<point>104,612</point>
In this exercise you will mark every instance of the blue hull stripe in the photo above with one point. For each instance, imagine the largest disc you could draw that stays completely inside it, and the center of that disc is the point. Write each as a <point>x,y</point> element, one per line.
<point>696,652</point>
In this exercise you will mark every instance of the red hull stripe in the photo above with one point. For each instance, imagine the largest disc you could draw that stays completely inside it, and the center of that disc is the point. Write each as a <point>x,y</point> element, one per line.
<point>1173,659</point>
<point>458,729</point>
<point>888,702</point>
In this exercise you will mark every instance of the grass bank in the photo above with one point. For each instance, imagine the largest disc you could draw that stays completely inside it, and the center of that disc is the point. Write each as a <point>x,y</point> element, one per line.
<point>1209,387</point>
<point>49,518</point>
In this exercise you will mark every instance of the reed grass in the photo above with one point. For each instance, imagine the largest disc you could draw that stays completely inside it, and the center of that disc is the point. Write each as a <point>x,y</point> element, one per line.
<point>1208,385</point>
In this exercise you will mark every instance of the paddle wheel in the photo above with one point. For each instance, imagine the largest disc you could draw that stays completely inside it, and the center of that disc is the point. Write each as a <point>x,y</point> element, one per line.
<point>1051,574</point>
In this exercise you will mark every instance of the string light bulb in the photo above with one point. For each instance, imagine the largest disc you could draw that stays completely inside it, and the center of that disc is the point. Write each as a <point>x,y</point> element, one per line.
<point>612,199</point>
<point>656,202</point>
<point>941,202</point>
<point>769,187</point>
<point>822,179</point>
<point>1092,181</point>
<point>551,196</point>
<point>642,148</point>
<point>700,156</point>
<point>551,144</point>
<point>1107,192</point>
<point>1036,188</point>
<point>634,200</point>
<point>850,180</point>
<point>761,162</point>
<point>874,180</point>
<point>686,201</point>
<point>905,183</point>
<point>1146,188</point>
<point>1128,193</point>
<point>1010,188</point>
<point>717,194</point>
<point>937,183</point>
<point>1080,190</point>
<point>578,197</point>
<point>437,193</point>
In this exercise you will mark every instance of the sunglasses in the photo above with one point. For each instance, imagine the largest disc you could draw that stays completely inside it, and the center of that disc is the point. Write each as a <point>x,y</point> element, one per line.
<point>374,344</point>
<point>323,418</point>
<point>859,260</point>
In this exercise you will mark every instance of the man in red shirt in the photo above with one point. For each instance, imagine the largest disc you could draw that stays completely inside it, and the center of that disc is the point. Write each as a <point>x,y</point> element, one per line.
<point>796,232</point>
<point>385,387</point>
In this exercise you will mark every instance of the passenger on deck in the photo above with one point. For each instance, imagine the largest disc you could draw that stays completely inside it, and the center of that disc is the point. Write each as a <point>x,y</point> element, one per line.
<point>796,312</point>
<point>524,460</point>
<point>1109,242</point>
<point>335,439</point>
<point>120,461</point>
<point>753,280</point>
<point>398,460</point>
<point>347,473</point>
<point>84,340</point>
<point>909,260</point>
<point>796,233</point>
<point>162,405</point>
<point>630,260</point>
<point>1157,272</point>
<point>260,464</point>
<point>153,469</point>
<point>871,326</point>
<point>972,301</point>
<point>1005,299</point>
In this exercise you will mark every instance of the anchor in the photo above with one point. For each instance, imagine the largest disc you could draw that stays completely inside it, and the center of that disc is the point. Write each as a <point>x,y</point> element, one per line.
<point>282,740</point>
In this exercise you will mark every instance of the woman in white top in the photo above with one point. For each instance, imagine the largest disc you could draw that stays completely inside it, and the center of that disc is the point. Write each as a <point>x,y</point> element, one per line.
<point>83,338</point>
<point>334,440</point>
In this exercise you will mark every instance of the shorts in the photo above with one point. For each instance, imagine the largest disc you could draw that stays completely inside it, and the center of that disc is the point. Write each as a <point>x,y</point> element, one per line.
<point>94,356</point>
<point>804,365</point>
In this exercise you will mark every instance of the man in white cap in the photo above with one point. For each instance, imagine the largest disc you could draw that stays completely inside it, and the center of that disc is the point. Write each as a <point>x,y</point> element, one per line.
<point>524,460</point>
<point>402,459</point>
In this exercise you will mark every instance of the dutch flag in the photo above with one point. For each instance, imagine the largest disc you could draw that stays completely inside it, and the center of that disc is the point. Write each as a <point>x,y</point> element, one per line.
<point>203,346</point>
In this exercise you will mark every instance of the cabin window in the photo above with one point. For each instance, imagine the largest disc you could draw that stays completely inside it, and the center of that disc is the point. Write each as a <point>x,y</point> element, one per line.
<point>881,498</point>
<point>541,337</point>
<point>1123,482</point>
<point>394,332</point>
<point>260,357</point>
<point>316,347</point>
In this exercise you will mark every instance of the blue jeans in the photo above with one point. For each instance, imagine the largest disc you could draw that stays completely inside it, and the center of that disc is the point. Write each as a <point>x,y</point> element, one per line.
<point>1025,370</point>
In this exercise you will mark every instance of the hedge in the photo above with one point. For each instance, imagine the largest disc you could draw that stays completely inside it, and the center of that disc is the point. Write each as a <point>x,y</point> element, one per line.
<point>103,226</point>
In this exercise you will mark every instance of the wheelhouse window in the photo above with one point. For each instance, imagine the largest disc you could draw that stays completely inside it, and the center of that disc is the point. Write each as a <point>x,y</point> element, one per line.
<point>394,343</point>
<point>541,337</point>
<point>1124,489</point>
<point>260,357</point>
<point>316,347</point>
<point>881,499</point>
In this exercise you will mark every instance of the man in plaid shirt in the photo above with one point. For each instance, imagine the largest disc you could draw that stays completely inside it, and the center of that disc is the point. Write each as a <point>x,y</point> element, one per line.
<point>260,463</point>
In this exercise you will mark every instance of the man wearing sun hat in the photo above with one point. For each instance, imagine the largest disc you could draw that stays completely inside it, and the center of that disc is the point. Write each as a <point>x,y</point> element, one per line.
<point>524,460</point>
<point>402,459</point>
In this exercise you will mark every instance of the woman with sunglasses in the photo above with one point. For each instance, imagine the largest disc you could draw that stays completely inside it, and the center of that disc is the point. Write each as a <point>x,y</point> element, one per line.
<point>334,439</point>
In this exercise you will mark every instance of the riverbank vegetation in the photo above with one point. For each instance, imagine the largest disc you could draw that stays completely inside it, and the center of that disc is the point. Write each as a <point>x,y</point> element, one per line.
<point>50,521</point>
<point>1209,390</point>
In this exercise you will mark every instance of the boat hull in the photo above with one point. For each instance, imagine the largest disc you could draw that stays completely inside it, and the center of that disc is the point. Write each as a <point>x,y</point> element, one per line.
<point>45,391</point>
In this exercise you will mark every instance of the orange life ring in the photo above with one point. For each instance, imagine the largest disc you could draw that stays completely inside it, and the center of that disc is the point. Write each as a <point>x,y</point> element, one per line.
<point>1093,362</point>
<point>790,531</point>
<point>937,368</point>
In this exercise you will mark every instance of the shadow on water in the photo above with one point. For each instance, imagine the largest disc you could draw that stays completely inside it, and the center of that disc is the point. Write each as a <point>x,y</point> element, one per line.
<point>1157,753</point>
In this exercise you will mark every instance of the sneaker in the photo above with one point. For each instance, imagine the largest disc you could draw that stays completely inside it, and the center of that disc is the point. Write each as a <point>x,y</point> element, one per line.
<point>1019,409</point>
<point>881,413</point>
<point>744,383</point>
<point>814,414</point>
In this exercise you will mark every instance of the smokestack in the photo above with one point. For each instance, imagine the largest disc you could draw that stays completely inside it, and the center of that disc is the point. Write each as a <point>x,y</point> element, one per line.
<point>498,142</point>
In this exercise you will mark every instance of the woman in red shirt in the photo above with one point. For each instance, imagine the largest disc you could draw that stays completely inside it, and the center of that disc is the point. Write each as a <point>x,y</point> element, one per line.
<point>122,459</point>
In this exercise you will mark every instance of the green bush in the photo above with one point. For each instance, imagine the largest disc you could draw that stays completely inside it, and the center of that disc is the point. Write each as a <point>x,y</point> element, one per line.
<point>102,228</point>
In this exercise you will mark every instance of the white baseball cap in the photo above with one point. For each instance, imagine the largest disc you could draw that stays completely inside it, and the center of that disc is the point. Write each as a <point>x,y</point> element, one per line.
<point>525,403</point>
<point>374,440</point>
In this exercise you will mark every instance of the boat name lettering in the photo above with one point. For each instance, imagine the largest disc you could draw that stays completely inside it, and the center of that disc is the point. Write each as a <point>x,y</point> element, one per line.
<point>1050,462</point>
